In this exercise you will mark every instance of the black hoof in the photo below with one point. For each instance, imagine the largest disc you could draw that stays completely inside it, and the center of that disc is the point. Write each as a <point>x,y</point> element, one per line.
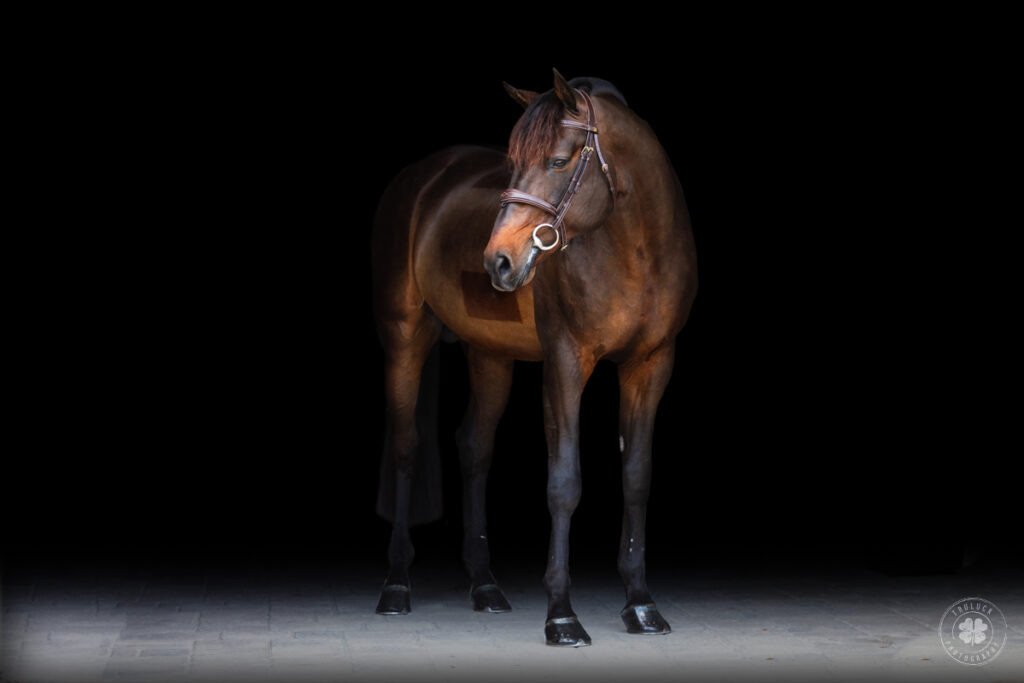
<point>644,619</point>
<point>566,632</point>
<point>394,599</point>
<point>489,598</point>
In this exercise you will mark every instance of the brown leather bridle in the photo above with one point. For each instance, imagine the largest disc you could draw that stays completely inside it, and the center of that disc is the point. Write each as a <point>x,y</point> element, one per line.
<point>558,211</point>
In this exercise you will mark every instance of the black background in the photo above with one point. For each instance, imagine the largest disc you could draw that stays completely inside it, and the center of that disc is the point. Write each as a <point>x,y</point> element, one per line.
<point>205,380</point>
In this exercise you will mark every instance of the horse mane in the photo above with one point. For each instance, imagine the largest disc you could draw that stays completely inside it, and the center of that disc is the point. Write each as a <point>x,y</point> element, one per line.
<point>537,130</point>
<point>597,86</point>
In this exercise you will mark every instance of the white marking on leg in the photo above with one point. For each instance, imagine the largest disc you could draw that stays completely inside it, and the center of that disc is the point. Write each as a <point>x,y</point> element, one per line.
<point>622,444</point>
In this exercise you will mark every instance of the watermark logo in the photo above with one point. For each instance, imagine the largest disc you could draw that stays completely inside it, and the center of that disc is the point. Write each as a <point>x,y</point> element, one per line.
<point>973,631</point>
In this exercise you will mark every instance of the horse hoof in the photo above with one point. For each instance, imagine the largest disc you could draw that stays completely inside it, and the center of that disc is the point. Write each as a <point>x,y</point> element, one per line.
<point>566,632</point>
<point>644,619</point>
<point>394,599</point>
<point>489,598</point>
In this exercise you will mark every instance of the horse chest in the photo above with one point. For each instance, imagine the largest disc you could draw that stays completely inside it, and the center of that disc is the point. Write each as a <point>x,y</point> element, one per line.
<point>606,314</point>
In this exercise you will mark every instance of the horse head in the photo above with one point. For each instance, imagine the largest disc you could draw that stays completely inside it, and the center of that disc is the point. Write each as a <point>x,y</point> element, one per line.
<point>554,194</point>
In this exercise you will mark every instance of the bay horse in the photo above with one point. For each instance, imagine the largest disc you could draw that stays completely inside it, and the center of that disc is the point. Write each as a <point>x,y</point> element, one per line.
<point>455,257</point>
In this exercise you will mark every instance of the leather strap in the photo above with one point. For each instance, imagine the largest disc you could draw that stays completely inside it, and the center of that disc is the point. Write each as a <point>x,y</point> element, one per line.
<point>591,145</point>
<point>520,197</point>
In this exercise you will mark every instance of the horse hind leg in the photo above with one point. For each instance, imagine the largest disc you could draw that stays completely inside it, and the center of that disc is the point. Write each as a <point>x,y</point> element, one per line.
<point>407,346</point>
<point>490,382</point>
<point>641,387</point>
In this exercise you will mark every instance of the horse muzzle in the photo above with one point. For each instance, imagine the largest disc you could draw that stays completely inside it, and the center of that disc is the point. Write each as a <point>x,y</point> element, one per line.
<point>506,275</point>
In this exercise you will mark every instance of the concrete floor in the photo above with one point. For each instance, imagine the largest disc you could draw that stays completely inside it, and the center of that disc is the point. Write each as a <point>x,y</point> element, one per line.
<point>314,625</point>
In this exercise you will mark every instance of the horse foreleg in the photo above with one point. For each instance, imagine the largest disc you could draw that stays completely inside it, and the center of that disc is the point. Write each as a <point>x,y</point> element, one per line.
<point>490,379</point>
<point>405,354</point>
<point>564,379</point>
<point>641,384</point>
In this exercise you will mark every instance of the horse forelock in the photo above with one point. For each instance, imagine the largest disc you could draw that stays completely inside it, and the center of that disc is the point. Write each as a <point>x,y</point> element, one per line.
<point>536,132</point>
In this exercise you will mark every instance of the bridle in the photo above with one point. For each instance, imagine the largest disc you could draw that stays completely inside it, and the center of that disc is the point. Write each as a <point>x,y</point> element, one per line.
<point>558,211</point>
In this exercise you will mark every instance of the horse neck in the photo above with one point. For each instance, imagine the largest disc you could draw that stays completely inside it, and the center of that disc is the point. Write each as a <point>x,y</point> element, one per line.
<point>643,233</point>
<point>648,203</point>
<point>644,226</point>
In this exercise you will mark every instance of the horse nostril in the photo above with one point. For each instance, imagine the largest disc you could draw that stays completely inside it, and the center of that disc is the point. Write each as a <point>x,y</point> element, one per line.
<point>503,265</point>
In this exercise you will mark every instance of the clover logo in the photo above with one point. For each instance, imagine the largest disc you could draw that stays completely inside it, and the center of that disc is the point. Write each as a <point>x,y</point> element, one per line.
<point>972,631</point>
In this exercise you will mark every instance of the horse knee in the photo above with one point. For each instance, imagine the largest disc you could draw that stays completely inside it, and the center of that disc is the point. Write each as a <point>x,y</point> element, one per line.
<point>636,481</point>
<point>474,452</point>
<point>563,493</point>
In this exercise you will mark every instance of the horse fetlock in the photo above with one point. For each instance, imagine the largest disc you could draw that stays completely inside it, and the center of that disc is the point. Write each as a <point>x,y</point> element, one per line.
<point>400,553</point>
<point>557,587</point>
<point>637,593</point>
<point>477,562</point>
<point>632,569</point>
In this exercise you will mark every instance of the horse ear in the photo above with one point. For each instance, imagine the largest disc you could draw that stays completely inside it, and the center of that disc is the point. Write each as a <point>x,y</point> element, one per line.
<point>523,97</point>
<point>565,93</point>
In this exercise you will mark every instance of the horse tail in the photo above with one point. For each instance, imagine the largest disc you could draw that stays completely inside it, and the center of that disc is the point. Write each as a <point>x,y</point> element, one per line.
<point>425,503</point>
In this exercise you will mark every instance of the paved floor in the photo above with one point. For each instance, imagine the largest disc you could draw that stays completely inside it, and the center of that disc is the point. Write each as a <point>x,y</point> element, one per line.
<point>319,625</point>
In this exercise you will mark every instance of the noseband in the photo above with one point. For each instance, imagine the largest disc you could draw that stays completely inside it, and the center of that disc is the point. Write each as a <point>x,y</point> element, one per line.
<point>558,211</point>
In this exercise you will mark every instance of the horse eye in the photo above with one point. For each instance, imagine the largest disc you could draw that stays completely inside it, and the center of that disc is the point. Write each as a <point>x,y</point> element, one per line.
<point>558,163</point>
